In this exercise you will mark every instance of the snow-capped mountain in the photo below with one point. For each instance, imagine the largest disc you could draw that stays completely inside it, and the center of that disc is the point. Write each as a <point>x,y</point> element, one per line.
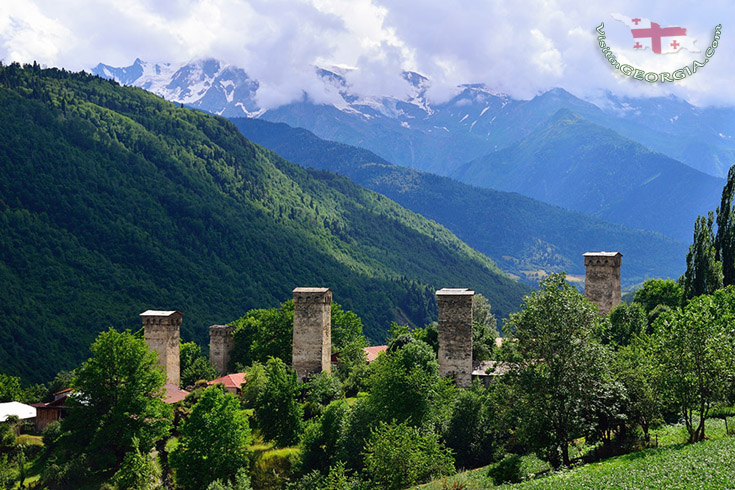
<point>207,84</point>
<point>414,131</point>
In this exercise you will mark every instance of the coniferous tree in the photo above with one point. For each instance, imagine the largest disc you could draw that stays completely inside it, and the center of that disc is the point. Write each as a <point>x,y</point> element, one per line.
<point>725,239</point>
<point>704,272</point>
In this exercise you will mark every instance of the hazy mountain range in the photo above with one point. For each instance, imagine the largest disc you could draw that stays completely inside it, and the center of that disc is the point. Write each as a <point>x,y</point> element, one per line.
<point>653,164</point>
<point>524,236</point>
<point>415,132</point>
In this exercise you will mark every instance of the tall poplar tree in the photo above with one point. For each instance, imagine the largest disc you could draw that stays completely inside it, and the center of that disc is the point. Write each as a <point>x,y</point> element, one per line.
<point>704,271</point>
<point>725,239</point>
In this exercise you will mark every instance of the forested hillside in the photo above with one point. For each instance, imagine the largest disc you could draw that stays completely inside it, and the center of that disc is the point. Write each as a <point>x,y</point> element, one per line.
<point>113,201</point>
<point>521,234</point>
<point>578,165</point>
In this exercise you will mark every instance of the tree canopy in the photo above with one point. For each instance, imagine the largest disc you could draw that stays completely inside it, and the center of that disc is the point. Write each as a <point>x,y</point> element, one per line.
<point>214,441</point>
<point>558,365</point>
<point>696,356</point>
<point>118,397</point>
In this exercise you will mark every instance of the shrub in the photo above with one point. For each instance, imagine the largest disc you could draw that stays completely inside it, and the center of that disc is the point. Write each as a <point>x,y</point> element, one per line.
<point>397,456</point>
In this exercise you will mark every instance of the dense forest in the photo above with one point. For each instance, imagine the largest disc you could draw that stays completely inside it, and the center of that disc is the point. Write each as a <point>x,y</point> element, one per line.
<point>522,235</point>
<point>114,201</point>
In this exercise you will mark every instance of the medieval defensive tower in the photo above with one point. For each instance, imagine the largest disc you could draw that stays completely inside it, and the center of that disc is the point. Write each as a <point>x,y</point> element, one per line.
<point>312,331</point>
<point>602,280</point>
<point>221,343</point>
<point>161,332</point>
<point>455,334</point>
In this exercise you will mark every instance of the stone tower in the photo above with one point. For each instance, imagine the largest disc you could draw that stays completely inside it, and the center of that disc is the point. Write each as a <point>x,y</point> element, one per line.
<point>221,343</point>
<point>312,331</point>
<point>455,334</point>
<point>161,332</point>
<point>602,281</point>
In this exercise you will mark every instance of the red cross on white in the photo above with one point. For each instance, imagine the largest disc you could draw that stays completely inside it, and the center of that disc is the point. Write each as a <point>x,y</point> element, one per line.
<point>660,40</point>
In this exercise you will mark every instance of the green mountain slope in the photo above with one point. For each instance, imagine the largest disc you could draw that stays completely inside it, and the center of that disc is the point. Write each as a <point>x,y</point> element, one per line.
<point>573,163</point>
<point>113,201</point>
<point>519,233</point>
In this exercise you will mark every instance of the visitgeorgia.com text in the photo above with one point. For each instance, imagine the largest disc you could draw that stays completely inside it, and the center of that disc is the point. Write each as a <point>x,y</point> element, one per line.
<point>653,77</point>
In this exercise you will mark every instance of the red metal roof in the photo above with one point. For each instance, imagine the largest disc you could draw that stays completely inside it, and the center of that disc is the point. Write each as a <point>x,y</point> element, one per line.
<point>234,380</point>
<point>174,394</point>
<point>371,353</point>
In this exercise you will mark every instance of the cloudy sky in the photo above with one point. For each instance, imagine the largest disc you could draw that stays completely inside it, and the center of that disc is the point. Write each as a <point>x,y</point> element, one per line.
<point>515,47</point>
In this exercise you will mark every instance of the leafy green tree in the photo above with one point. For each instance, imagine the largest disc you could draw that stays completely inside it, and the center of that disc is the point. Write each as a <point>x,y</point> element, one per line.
<point>348,342</point>
<point>626,322</point>
<point>471,432</point>
<point>277,409</point>
<point>405,386</point>
<point>10,389</point>
<point>20,461</point>
<point>634,367</point>
<point>346,329</point>
<point>6,472</point>
<point>337,478</point>
<point>484,329</point>
<point>263,333</point>
<point>696,357</point>
<point>34,393</point>
<point>256,378</point>
<point>241,482</point>
<point>319,391</point>
<point>7,433</point>
<point>557,366</point>
<point>360,421</point>
<point>321,441</point>
<point>725,238</point>
<point>118,397</point>
<point>704,271</point>
<point>61,381</point>
<point>214,441</point>
<point>138,470</point>
<point>357,379</point>
<point>655,292</point>
<point>400,456</point>
<point>193,365</point>
<point>429,334</point>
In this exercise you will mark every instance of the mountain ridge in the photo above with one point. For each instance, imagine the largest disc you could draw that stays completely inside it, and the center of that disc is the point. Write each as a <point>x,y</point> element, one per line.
<point>413,131</point>
<point>520,234</point>
<point>585,167</point>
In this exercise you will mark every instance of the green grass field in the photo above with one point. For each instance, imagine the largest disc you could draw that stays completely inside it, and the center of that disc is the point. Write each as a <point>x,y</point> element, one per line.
<point>672,465</point>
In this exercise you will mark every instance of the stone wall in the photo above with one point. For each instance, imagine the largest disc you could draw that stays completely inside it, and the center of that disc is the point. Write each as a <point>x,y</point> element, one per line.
<point>602,279</point>
<point>221,344</point>
<point>455,334</point>
<point>161,332</point>
<point>312,331</point>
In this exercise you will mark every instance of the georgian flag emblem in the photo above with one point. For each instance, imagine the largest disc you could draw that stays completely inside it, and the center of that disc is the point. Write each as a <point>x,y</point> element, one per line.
<point>660,40</point>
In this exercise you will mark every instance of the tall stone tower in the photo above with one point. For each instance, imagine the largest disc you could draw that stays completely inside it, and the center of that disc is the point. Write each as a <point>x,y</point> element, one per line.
<point>161,332</point>
<point>602,281</point>
<point>312,331</point>
<point>221,343</point>
<point>455,334</point>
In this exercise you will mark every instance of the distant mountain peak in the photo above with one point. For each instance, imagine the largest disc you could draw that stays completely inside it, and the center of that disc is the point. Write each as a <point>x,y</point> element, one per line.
<point>566,115</point>
<point>408,126</point>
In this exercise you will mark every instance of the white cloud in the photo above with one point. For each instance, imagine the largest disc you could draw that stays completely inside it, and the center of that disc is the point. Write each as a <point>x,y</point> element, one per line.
<point>519,48</point>
<point>26,33</point>
<point>544,55</point>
